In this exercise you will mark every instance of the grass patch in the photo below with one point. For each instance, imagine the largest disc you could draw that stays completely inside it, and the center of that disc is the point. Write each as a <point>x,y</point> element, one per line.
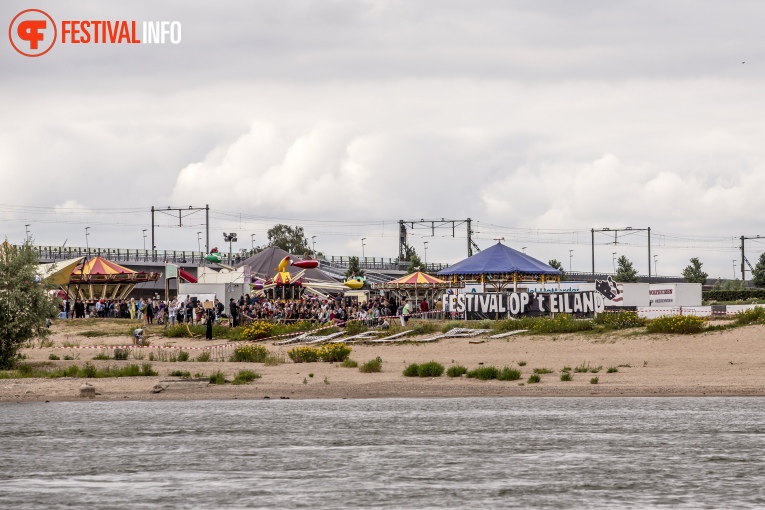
<point>355,327</point>
<point>275,359</point>
<point>612,370</point>
<point>430,369</point>
<point>534,379</point>
<point>217,377</point>
<point>619,320</point>
<point>566,376</point>
<point>509,374</point>
<point>180,373</point>
<point>245,377</point>
<point>250,353</point>
<point>677,324</point>
<point>483,373</point>
<point>121,354</point>
<point>101,356</point>
<point>521,363</point>
<point>412,370</point>
<point>53,357</point>
<point>88,371</point>
<point>349,363</point>
<point>594,380</point>
<point>183,356</point>
<point>456,371</point>
<point>373,365</point>
<point>204,357</point>
<point>542,371</point>
<point>96,333</point>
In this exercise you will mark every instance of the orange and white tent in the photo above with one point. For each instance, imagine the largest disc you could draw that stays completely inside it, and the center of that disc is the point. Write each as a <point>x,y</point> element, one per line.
<point>98,278</point>
<point>416,285</point>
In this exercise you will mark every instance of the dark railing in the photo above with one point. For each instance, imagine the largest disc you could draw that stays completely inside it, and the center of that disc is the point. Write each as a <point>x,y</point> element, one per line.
<point>53,253</point>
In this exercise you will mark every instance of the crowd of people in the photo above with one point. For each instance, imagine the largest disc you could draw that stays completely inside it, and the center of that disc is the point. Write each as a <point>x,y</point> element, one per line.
<point>248,308</point>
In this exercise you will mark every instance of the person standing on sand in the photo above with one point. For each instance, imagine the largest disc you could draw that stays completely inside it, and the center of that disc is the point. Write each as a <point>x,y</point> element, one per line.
<point>234,312</point>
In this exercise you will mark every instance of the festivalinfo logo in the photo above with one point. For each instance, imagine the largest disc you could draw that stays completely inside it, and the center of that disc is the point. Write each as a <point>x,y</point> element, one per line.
<point>33,32</point>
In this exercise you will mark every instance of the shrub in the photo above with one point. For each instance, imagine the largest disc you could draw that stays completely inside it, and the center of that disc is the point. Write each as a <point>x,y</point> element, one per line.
<point>217,378</point>
<point>303,354</point>
<point>179,373</point>
<point>333,352</point>
<point>582,368</point>
<point>542,371</point>
<point>355,327</point>
<point>677,324</point>
<point>349,363</point>
<point>121,354</point>
<point>565,376</point>
<point>594,380</point>
<point>258,329</point>
<point>245,376</point>
<point>430,369</point>
<point>521,363</point>
<point>561,323</point>
<point>183,356</point>
<point>147,370</point>
<point>619,320</point>
<point>89,370</point>
<point>456,371</point>
<point>412,370</point>
<point>250,353</point>
<point>483,373</point>
<point>101,356</point>
<point>534,379</point>
<point>273,360</point>
<point>204,357</point>
<point>509,374</point>
<point>424,328</point>
<point>612,370</point>
<point>68,357</point>
<point>373,365</point>
<point>753,316</point>
<point>53,357</point>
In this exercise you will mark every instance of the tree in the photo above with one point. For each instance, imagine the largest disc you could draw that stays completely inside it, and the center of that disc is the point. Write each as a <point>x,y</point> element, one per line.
<point>625,273</point>
<point>354,268</point>
<point>289,239</point>
<point>758,273</point>
<point>557,265</point>
<point>415,264</point>
<point>694,274</point>
<point>24,302</point>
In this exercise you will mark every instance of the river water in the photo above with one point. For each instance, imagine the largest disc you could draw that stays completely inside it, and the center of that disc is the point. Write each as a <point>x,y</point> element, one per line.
<point>400,453</point>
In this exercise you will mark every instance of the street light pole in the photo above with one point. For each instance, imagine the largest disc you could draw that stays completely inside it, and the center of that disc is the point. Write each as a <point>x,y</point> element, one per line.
<point>426,254</point>
<point>144,239</point>
<point>524,250</point>
<point>363,255</point>
<point>313,245</point>
<point>570,255</point>
<point>655,267</point>
<point>252,239</point>
<point>199,241</point>
<point>26,239</point>
<point>87,246</point>
<point>613,259</point>
<point>734,269</point>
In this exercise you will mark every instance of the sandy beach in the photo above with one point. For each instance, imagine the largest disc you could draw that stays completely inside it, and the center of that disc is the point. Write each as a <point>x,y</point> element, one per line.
<point>730,362</point>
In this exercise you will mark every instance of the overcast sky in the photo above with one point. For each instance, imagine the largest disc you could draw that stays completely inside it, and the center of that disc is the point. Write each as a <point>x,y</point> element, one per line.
<point>552,115</point>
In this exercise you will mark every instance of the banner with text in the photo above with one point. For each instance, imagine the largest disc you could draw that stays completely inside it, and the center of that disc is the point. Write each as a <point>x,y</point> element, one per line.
<point>477,306</point>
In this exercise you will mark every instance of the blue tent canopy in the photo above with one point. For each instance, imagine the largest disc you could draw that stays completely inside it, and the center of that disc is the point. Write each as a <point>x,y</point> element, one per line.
<point>499,259</point>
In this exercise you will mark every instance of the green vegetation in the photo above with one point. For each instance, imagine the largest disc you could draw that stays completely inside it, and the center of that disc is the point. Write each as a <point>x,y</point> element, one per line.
<point>619,320</point>
<point>53,357</point>
<point>594,380</point>
<point>693,273</point>
<point>252,331</point>
<point>566,376</point>
<point>354,327</point>
<point>180,373</point>
<point>624,271</point>
<point>217,377</point>
<point>430,369</point>
<point>204,357</point>
<point>97,333</point>
<point>274,359</point>
<point>509,374</point>
<point>677,324</point>
<point>521,363</point>
<point>374,365</point>
<point>534,379</point>
<point>183,356</point>
<point>250,353</point>
<point>121,354</point>
<point>612,370</point>
<point>349,363</point>
<point>245,377</point>
<point>101,356</point>
<point>746,317</point>
<point>412,370</point>
<point>456,371</point>
<point>40,370</point>
<point>542,371</point>
<point>329,352</point>
<point>483,373</point>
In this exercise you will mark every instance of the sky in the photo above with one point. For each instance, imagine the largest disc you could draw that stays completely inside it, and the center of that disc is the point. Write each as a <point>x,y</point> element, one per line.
<point>539,120</point>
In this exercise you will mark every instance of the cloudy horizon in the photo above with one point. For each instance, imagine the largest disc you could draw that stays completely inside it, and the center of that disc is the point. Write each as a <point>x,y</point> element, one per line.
<point>538,120</point>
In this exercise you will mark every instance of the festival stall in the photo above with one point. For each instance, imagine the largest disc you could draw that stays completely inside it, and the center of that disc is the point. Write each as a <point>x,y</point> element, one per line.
<point>496,268</point>
<point>98,278</point>
<point>417,286</point>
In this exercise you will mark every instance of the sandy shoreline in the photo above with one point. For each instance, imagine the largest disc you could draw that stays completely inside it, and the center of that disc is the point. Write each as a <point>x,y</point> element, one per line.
<point>728,363</point>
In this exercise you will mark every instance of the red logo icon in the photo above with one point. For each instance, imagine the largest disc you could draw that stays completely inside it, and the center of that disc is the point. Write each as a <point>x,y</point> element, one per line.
<point>32,33</point>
